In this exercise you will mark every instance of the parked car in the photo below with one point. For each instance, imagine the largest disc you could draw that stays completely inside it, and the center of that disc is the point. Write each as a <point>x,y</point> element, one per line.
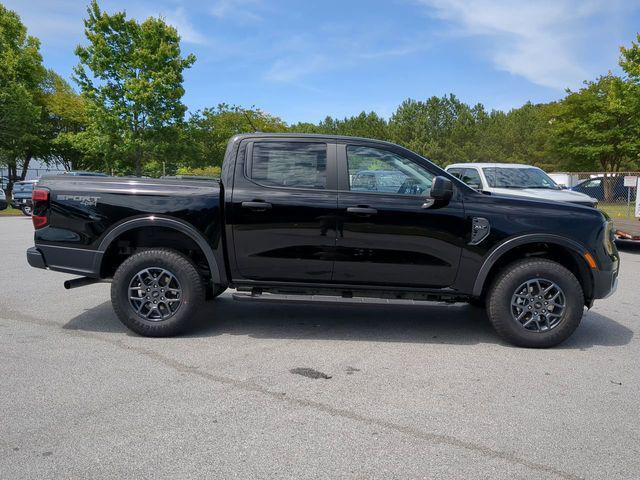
<point>3,200</point>
<point>386,181</point>
<point>286,223</point>
<point>516,180</point>
<point>21,196</point>
<point>80,173</point>
<point>594,187</point>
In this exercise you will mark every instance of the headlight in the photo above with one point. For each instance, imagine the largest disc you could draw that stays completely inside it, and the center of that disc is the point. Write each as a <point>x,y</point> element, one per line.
<point>609,237</point>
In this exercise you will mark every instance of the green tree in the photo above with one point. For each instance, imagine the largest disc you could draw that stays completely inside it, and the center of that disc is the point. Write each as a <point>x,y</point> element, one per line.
<point>66,117</point>
<point>207,132</point>
<point>21,99</point>
<point>596,128</point>
<point>132,74</point>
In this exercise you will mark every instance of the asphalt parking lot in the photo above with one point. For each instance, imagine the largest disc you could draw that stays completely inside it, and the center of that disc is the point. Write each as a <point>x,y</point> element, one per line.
<point>414,392</point>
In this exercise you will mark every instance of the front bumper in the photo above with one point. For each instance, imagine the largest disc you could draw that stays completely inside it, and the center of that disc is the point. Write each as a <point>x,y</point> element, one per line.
<point>21,202</point>
<point>3,204</point>
<point>605,282</point>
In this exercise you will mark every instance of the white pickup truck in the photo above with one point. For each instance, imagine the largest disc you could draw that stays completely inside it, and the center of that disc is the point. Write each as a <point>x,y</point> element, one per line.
<point>517,180</point>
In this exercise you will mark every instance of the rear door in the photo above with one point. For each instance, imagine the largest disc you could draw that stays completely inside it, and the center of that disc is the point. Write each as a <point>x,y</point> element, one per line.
<point>391,238</point>
<point>284,203</point>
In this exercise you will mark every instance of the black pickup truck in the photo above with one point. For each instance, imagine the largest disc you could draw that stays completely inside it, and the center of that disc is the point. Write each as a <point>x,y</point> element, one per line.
<point>294,218</point>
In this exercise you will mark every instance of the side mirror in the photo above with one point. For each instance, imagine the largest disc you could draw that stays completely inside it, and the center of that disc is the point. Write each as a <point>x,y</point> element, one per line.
<point>441,192</point>
<point>475,186</point>
<point>441,189</point>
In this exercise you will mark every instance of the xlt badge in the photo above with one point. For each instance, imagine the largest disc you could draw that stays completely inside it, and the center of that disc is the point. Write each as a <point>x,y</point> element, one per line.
<point>480,228</point>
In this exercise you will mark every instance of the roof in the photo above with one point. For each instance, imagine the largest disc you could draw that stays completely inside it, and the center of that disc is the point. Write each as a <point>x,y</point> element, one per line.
<point>500,165</point>
<point>313,135</point>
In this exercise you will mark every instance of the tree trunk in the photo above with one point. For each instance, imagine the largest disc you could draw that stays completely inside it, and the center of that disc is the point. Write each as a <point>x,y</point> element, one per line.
<point>11,174</point>
<point>138,162</point>
<point>25,166</point>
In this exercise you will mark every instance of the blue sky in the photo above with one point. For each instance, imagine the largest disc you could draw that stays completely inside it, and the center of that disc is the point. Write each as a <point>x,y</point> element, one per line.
<point>303,60</point>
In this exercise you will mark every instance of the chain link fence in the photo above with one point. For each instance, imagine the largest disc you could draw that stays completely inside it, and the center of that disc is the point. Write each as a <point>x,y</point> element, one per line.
<point>610,189</point>
<point>32,174</point>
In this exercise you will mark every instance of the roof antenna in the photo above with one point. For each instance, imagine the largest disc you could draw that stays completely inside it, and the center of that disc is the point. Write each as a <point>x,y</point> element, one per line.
<point>250,121</point>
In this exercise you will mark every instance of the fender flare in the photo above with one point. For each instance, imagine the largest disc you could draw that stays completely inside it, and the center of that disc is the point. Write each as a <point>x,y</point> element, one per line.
<point>497,252</point>
<point>172,223</point>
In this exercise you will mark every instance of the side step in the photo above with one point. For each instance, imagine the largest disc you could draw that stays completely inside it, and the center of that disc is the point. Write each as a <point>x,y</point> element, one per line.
<point>322,299</point>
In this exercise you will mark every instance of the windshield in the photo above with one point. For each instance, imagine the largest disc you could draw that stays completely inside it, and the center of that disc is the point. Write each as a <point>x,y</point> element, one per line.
<point>526,177</point>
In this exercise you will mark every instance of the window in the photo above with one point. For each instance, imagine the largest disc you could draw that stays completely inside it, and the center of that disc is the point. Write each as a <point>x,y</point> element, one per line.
<point>381,171</point>
<point>456,172</point>
<point>593,183</point>
<point>472,178</point>
<point>290,164</point>
<point>522,177</point>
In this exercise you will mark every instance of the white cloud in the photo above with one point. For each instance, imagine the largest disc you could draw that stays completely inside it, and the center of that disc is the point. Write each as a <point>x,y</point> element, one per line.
<point>242,11</point>
<point>188,33</point>
<point>293,68</point>
<point>539,40</point>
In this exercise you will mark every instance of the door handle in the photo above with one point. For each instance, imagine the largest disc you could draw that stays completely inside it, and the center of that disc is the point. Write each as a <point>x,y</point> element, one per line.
<point>257,205</point>
<point>362,210</point>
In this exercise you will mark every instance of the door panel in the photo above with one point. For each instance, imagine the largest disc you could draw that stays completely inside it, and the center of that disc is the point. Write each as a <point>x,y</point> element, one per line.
<point>392,239</point>
<point>401,244</point>
<point>284,222</point>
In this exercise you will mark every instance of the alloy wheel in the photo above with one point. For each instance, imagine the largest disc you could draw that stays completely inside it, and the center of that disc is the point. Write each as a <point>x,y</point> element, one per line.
<point>538,305</point>
<point>155,294</point>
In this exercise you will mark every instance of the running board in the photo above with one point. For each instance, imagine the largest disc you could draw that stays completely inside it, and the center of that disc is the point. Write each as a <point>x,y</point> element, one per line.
<point>326,299</point>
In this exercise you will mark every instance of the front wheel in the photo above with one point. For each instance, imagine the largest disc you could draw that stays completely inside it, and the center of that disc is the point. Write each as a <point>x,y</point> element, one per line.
<point>26,210</point>
<point>157,292</point>
<point>535,303</point>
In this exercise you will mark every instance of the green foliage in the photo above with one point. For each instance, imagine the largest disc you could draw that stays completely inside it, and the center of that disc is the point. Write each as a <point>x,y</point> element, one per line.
<point>129,117</point>
<point>134,86</point>
<point>211,171</point>
<point>207,132</point>
<point>596,127</point>
<point>21,100</point>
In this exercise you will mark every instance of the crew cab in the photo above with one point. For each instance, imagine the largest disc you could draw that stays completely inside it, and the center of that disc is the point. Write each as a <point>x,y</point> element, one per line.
<point>290,220</point>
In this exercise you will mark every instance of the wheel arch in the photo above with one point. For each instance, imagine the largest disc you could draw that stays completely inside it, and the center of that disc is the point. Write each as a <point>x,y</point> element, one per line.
<point>565,251</point>
<point>162,222</point>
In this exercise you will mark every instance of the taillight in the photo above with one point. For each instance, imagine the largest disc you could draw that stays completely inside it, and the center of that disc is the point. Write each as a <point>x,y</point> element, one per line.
<point>39,215</point>
<point>40,195</point>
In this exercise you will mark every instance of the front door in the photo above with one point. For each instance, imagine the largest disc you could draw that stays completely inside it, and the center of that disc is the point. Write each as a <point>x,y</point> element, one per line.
<point>386,233</point>
<point>284,210</point>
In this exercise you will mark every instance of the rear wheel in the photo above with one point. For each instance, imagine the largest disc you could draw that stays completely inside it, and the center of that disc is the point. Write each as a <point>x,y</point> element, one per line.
<point>535,303</point>
<point>156,292</point>
<point>26,210</point>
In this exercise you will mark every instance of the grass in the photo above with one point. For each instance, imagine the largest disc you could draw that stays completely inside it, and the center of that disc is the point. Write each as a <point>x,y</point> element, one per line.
<point>10,212</point>
<point>617,210</point>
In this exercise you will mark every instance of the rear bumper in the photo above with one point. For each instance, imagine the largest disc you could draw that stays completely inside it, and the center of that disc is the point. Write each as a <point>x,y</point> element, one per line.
<point>35,258</point>
<point>66,259</point>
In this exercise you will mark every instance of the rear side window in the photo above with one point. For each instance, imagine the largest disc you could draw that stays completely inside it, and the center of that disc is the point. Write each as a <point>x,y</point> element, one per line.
<point>289,164</point>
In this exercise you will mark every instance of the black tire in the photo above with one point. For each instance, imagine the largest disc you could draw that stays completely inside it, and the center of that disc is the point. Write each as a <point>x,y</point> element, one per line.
<point>26,210</point>
<point>185,273</point>
<point>212,294</point>
<point>499,306</point>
